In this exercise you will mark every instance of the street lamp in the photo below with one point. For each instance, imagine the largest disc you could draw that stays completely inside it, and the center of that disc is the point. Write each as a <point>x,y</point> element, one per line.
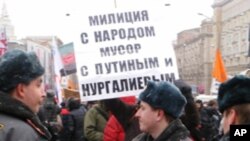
<point>201,14</point>
<point>167,4</point>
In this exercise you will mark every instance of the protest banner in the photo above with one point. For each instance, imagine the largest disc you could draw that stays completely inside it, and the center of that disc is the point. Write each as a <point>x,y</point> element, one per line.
<point>118,50</point>
<point>68,59</point>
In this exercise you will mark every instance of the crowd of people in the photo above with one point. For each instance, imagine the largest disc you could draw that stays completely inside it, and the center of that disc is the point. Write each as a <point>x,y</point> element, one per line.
<point>163,111</point>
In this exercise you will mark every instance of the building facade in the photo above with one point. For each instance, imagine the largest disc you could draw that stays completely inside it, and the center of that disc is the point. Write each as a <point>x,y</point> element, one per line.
<point>234,37</point>
<point>194,52</point>
<point>228,30</point>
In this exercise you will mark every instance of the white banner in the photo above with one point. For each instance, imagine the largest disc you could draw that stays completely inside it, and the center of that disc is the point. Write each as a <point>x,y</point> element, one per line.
<point>119,50</point>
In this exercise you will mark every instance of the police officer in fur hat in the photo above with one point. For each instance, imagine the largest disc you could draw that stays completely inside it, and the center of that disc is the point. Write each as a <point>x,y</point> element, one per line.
<point>161,105</point>
<point>234,103</point>
<point>21,94</point>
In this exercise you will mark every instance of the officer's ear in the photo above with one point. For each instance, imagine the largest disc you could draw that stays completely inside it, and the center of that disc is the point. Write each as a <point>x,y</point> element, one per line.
<point>231,116</point>
<point>20,90</point>
<point>160,114</point>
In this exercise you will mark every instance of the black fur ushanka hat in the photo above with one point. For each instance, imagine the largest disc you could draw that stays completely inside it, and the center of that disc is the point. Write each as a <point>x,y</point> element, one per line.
<point>234,92</point>
<point>17,66</point>
<point>166,96</point>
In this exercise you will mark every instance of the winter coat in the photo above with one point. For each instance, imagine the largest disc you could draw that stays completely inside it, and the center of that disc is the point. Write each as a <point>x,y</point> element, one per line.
<point>49,115</point>
<point>176,131</point>
<point>65,133</point>
<point>113,130</point>
<point>210,120</point>
<point>94,123</point>
<point>19,123</point>
<point>76,119</point>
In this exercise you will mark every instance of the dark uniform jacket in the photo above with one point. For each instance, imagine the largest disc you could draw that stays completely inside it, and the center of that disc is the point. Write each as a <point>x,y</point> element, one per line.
<point>225,138</point>
<point>19,123</point>
<point>176,131</point>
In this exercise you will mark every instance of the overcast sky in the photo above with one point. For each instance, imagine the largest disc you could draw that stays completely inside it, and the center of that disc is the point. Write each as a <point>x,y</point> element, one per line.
<point>48,17</point>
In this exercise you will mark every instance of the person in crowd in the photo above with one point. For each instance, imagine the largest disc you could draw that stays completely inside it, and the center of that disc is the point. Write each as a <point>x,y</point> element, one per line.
<point>234,103</point>
<point>199,104</point>
<point>91,104</point>
<point>76,117</point>
<point>113,130</point>
<point>210,119</point>
<point>63,110</point>
<point>64,134</point>
<point>214,119</point>
<point>161,105</point>
<point>204,120</point>
<point>21,95</point>
<point>49,114</point>
<point>121,126</point>
<point>191,117</point>
<point>95,121</point>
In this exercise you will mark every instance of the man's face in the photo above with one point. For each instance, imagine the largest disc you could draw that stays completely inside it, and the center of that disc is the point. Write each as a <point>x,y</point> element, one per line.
<point>34,94</point>
<point>147,117</point>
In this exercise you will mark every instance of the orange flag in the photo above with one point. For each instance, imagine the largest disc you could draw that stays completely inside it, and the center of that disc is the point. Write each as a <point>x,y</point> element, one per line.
<point>219,71</point>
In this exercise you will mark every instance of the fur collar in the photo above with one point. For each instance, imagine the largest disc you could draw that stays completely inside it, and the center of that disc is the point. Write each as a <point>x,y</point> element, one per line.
<point>15,108</point>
